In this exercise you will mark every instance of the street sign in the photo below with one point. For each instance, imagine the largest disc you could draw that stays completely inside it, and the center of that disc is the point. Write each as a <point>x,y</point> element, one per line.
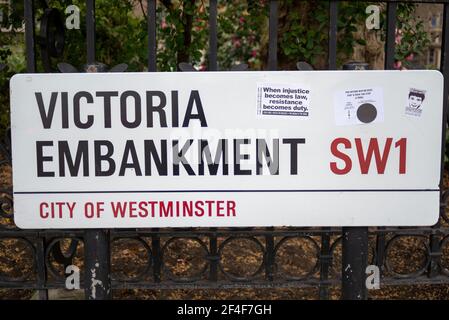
<point>228,149</point>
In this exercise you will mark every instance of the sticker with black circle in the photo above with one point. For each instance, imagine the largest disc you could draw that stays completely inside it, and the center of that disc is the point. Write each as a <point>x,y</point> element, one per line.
<point>359,106</point>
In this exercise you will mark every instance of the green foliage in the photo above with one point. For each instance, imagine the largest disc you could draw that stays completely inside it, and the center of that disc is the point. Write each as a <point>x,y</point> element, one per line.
<point>240,31</point>
<point>351,17</point>
<point>411,38</point>
<point>11,55</point>
<point>12,14</point>
<point>301,43</point>
<point>182,35</point>
<point>121,37</point>
<point>306,36</point>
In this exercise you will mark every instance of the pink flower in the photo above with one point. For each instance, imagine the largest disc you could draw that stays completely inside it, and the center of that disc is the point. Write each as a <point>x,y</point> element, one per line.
<point>236,42</point>
<point>398,36</point>
<point>242,20</point>
<point>410,57</point>
<point>164,24</point>
<point>254,53</point>
<point>398,65</point>
<point>202,67</point>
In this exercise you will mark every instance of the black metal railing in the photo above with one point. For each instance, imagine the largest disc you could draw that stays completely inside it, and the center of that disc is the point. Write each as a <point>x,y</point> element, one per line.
<point>272,257</point>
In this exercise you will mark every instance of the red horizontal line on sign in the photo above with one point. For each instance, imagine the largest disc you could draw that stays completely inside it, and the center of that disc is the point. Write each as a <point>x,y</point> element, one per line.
<point>231,191</point>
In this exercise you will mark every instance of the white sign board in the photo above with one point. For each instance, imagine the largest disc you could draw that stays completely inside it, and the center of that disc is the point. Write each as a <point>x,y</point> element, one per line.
<point>134,150</point>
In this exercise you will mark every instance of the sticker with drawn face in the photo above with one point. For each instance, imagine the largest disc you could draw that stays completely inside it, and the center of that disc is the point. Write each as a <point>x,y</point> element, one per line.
<point>415,102</point>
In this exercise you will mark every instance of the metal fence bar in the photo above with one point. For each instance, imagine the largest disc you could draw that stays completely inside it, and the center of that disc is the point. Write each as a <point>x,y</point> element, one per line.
<point>434,239</point>
<point>333,15</point>
<point>97,266</point>
<point>213,65</point>
<point>388,65</point>
<point>444,68</point>
<point>391,31</point>
<point>354,262</point>
<point>90,30</point>
<point>152,44</point>
<point>354,249</point>
<point>41,271</point>
<point>435,256</point>
<point>157,255</point>
<point>380,251</point>
<point>30,36</point>
<point>97,247</point>
<point>273,36</point>
<point>213,256</point>
<point>325,261</point>
<point>269,256</point>
<point>325,255</point>
<point>152,67</point>
<point>272,65</point>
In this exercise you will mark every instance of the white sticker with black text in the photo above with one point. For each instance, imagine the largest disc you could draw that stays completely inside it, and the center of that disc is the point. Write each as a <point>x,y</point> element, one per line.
<point>359,106</point>
<point>283,100</point>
